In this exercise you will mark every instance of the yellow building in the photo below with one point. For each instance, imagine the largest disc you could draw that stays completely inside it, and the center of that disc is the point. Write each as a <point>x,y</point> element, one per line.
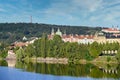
<point>108,35</point>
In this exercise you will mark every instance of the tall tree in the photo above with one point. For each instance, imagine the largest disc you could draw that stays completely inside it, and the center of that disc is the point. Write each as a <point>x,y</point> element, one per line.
<point>43,45</point>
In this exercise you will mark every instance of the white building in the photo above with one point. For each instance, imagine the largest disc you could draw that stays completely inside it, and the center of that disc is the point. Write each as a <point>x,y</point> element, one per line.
<point>85,39</point>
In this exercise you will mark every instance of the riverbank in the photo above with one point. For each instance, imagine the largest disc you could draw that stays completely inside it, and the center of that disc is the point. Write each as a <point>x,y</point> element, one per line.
<point>100,59</point>
<point>105,59</point>
<point>50,60</point>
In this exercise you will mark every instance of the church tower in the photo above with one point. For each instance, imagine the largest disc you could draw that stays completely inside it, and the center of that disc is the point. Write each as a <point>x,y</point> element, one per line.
<point>59,32</point>
<point>52,32</point>
<point>64,33</point>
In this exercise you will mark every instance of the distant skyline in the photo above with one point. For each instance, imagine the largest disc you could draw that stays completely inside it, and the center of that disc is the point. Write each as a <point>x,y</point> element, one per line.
<point>104,13</point>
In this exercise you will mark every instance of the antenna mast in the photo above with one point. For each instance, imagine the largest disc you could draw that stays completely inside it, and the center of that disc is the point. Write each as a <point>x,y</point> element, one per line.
<point>30,19</point>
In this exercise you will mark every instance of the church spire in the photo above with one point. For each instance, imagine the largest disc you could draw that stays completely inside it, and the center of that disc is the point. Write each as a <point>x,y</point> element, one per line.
<point>58,30</point>
<point>52,32</point>
<point>64,32</point>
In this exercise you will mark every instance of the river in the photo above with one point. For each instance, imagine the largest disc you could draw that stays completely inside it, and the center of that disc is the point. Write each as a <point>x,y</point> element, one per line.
<point>12,70</point>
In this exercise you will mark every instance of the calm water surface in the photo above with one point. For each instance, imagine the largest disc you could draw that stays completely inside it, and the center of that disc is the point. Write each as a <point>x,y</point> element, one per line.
<point>12,70</point>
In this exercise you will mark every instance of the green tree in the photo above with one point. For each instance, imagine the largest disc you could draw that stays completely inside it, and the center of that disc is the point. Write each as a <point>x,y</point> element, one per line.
<point>20,54</point>
<point>95,49</point>
<point>43,45</point>
<point>118,56</point>
<point>29,50</point>
<point>37,47</point>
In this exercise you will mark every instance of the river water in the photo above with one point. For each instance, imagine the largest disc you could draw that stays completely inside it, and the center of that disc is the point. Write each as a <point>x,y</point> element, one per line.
<point>12,70</point>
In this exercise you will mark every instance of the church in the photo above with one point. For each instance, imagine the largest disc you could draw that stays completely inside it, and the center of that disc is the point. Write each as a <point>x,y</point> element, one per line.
<point>105,35</point>
<point>81,39</point>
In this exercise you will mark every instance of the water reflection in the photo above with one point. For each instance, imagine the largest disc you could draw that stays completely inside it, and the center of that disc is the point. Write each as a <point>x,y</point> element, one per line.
<point>56,69</point>
<point>17,74</point>
<point>96,71</point>
<point>11,63</point>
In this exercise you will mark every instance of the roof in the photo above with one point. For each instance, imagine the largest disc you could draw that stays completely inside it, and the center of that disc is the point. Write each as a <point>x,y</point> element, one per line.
<point>111,30</point>
<point>79,36</point>
<point>20,44</point>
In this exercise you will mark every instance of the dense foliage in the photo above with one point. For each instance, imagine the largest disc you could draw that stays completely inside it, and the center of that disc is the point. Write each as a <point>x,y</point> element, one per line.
<point>3,50</point>
<point>11,32</point>
<point>59,49</point>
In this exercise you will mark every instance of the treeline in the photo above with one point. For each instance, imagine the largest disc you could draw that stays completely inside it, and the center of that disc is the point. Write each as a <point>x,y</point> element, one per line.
<point>59,49</point>
<point>11,32</point>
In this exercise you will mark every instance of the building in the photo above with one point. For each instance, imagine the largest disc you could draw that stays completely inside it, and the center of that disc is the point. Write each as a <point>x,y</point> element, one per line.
<point>108,35</point>
<point>32,40</point>
<point>20,44</point>
<point>81,39</point>
<point>24,38</point>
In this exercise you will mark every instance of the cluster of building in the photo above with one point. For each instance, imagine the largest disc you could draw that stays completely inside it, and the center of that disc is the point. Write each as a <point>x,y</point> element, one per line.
<point>105,35</point>
<point>23,43</point>
<point>108,35</point>
<point>11,54</point>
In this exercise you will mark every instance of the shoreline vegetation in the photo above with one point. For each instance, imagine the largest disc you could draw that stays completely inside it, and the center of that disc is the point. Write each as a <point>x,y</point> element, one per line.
<point>52,60</point>
<point>57,51</point>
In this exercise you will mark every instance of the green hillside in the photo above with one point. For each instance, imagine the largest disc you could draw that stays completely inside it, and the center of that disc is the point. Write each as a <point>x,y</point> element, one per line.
<point>10,32</point>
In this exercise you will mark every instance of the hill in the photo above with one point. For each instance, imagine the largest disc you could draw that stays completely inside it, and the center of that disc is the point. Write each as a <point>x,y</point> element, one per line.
<point>10,32</point>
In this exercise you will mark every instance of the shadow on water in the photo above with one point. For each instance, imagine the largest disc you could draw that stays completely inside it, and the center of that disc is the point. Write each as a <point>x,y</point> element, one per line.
<point>74,70</point>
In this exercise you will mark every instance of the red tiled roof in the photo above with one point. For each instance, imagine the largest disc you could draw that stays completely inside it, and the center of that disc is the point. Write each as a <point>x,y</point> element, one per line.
<point>111,29</point>
<point>74,36</point>
<point>20,44</point>
<point>79,36</point>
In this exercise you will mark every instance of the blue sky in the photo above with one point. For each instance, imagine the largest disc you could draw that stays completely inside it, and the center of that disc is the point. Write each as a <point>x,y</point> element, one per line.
<point>63,12</point>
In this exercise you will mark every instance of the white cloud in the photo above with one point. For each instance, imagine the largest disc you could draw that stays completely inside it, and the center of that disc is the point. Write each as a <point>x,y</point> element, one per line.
<point>70,11</point>
<point>88,11</point>
<point>111,2</point>
<point>69,6</point>
<point>90,5</point>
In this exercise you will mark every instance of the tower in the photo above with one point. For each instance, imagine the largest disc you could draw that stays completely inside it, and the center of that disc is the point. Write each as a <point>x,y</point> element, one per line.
<point>30,19</point>
<point>52,32</point>
<point>64,33</point>
<point>59,32</point>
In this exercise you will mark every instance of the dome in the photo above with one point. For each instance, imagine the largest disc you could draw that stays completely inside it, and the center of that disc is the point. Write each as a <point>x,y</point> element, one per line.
<point>59,32</point>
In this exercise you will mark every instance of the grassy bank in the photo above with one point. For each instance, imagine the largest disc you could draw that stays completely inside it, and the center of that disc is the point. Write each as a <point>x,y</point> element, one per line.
<point>47,60</point>
<point>105,59</point>
<point>100,59</point>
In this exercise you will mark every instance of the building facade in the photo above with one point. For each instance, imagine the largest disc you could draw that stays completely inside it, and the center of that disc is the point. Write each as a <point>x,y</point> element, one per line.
<point>81,39</point>
<point>108,35</point>
<point>105,35</point>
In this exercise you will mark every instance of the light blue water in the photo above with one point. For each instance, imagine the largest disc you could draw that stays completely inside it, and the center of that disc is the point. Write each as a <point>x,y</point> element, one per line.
<point>7,73</point>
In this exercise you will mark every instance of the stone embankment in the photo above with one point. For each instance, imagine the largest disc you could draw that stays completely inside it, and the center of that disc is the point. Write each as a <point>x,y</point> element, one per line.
<point>51,60</point>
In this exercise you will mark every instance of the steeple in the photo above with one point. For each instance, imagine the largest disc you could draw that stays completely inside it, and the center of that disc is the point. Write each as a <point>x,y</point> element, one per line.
<point>58,30</point>
<point>64,33</point>
<point>52,32</point>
